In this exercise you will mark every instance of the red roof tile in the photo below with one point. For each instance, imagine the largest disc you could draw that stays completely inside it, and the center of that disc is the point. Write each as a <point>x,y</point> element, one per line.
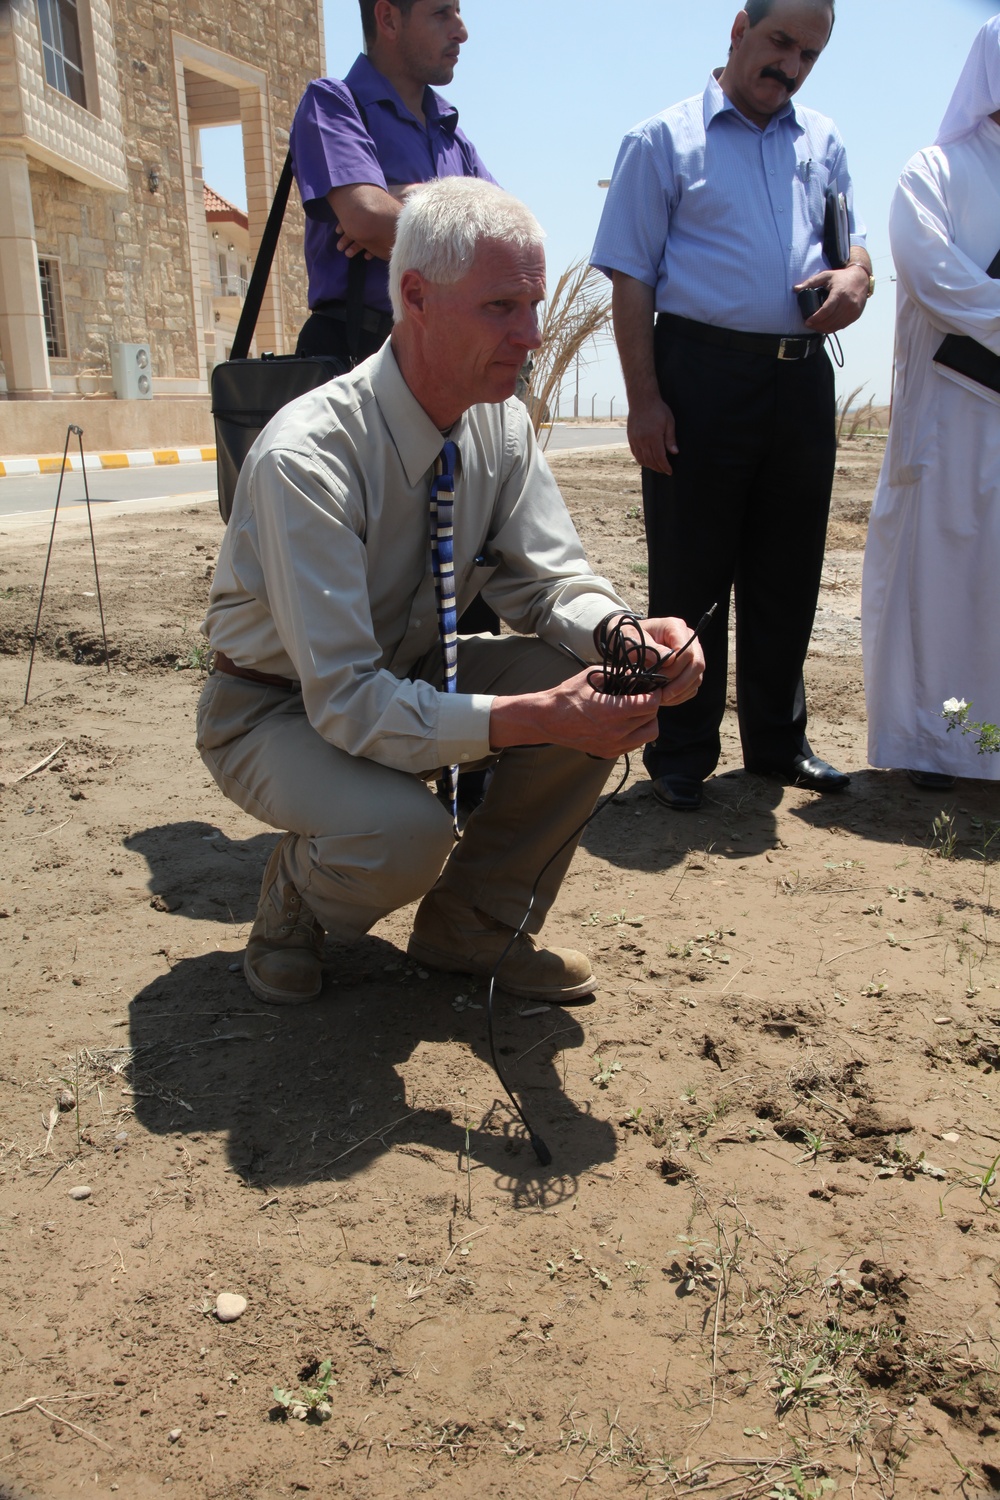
<point>219,211</point>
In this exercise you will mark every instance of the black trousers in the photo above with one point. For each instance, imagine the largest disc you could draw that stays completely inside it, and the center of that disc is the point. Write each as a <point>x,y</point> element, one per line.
<point>321,334</point>
<point>745,512</point>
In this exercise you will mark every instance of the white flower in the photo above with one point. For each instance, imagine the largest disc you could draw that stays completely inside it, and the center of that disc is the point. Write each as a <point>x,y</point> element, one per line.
<point>955,706</point>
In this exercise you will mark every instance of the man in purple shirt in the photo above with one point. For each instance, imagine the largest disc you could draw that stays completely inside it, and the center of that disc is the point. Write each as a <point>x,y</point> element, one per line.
<point>359,145</point>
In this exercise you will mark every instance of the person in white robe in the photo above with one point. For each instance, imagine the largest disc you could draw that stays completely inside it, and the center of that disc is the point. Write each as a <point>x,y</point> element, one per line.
<point>931,580</point>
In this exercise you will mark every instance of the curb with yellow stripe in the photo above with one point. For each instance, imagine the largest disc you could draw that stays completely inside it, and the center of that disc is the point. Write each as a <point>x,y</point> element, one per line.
<point>142,458</point>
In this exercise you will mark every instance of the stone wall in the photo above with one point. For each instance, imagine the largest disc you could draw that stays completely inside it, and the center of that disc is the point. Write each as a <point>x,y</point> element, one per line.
<point>282,37</point>
<point>125,257</point>
<point>38,428</point>
<point>125,272</point>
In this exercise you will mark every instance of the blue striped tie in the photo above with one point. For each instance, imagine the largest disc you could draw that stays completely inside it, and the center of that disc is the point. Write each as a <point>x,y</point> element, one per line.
<point>443,567</point>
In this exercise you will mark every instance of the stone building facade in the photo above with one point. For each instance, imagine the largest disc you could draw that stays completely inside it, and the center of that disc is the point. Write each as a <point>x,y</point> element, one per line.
<point>103,230</point>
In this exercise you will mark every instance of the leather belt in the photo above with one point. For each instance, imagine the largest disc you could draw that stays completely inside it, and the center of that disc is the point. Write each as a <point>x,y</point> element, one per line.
<point>268,679</point>
<point>372,321</point>
<point>777,346</point>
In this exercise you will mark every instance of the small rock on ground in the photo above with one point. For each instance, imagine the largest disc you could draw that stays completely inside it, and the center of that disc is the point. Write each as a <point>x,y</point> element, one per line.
<point>229,1306</point>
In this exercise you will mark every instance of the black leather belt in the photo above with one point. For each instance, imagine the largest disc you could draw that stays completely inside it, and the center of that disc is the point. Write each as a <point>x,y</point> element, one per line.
<point>772,344</point>
<point>372,321</point>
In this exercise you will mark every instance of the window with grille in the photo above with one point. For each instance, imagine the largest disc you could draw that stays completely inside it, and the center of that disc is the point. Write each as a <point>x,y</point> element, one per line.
<point>60,27</point>
<point>55,328</point>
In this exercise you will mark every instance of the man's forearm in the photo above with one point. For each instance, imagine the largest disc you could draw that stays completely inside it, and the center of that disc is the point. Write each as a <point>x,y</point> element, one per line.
<point>368,215</point>
<point>633,309</point>
<point>651,432</point>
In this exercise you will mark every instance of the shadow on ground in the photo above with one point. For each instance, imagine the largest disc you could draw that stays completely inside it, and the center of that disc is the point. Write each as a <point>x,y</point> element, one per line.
<point>196,871</point>
<point>885,806</point>
<point>736,821</point>
<point>315,1092</point>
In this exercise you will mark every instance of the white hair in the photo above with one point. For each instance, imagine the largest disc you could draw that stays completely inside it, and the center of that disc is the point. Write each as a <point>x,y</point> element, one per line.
<point>442,224</point>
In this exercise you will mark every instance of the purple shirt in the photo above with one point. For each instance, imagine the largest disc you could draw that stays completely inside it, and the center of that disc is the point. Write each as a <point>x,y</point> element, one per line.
<point>331,147</point>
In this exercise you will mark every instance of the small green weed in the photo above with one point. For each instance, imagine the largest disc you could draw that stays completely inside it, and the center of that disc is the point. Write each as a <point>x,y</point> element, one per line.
<point>309,1402</point>
<point>800,1387</point>
<point>638,1276</point>
<point>798,1487</point>
<point>605,1071</point>
<point>196,658</point>
<point>944,835</point>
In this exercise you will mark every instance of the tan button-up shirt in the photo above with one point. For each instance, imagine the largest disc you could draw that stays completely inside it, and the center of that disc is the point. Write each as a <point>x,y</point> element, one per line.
<point>324,574</point>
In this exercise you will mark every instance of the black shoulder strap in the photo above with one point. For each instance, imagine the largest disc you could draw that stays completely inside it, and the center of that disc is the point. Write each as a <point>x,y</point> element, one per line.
<point>356,273</point>
<point>262,265</point>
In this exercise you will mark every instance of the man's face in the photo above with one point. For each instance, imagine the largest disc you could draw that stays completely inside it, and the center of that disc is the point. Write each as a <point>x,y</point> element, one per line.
<point>772,60</point>
<point>477,332</point>
<point>429,39</point>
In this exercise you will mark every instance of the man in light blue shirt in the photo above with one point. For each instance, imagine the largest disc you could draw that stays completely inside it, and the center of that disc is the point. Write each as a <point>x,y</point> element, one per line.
<point>713,225</point>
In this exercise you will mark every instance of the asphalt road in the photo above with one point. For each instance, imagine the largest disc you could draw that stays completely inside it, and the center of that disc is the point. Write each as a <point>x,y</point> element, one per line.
<point>23,497</point>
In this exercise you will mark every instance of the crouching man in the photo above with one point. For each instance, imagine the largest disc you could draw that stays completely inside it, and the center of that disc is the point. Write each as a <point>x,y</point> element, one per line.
<point>368,515</point>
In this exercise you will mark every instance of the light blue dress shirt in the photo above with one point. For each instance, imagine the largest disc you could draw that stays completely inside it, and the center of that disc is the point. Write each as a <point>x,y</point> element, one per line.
<point>721,217</point>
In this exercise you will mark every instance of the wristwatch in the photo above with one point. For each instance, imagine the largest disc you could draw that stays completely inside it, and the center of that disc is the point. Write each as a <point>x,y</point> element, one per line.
<point>871,278</point>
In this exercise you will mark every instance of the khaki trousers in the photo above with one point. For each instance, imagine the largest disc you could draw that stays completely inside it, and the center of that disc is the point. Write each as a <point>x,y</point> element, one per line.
<point>371,839</point>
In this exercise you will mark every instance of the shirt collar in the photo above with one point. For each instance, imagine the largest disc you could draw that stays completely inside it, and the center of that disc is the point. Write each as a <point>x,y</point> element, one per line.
<point>418,442</point>
<point>717,103</point>
<point>372,87</point>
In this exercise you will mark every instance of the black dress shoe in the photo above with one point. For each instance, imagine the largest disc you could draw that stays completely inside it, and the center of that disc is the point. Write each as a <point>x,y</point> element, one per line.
<point>682,793</point>
<point>816,775</point>
<point>932,781</point>
<point>808,771</point>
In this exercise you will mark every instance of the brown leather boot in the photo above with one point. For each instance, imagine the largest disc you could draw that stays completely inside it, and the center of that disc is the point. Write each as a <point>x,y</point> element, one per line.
<point>283,961</point>
<point>462,940</point>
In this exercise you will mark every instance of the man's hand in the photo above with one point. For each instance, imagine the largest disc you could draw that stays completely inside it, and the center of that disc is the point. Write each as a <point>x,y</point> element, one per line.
<point>847,295</point>
<point>350,247</point>
<point>658,637</point>
<point>576,715</point>
<point>687,668</point>
<point>366,218</point>
<point>651,434</point>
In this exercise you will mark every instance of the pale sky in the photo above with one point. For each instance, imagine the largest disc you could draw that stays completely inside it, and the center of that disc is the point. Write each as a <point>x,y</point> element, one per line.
<point>547,88</point>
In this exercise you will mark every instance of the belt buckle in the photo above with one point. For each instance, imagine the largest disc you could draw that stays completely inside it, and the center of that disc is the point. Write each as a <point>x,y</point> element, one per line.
<point>783,350</point>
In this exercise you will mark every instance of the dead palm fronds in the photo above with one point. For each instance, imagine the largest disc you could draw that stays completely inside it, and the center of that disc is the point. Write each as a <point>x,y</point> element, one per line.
<point>851,419</point>
<point>578,311</point>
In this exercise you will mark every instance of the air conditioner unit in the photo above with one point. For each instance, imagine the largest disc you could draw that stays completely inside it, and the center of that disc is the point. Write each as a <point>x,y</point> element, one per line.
<point>131,372</point>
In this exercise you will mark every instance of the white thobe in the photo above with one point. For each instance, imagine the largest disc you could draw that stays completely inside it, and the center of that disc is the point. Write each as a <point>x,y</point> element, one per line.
<point>932,560</point>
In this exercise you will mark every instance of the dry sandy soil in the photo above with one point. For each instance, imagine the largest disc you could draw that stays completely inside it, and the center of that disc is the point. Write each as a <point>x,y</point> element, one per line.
<point>765,1259</point>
